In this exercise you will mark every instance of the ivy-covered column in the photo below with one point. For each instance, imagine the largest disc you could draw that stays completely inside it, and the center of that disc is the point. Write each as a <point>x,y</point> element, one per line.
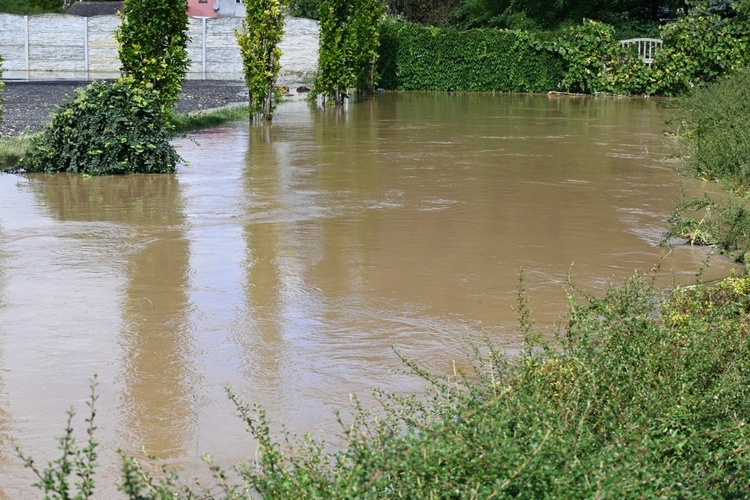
<point>259,38</point>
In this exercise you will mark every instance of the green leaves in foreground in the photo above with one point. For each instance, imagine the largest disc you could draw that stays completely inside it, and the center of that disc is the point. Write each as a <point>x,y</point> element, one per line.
<point>107,128</point>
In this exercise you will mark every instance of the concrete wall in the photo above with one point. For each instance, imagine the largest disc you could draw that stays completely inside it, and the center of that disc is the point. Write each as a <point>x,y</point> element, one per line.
<point>57,46</point>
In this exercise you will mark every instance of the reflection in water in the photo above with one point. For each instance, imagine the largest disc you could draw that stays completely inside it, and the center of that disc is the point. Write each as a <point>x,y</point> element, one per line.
<point>156,339</point>
<point>289,259</point>
<point>154,266</point>
<point>6,441</point>
<point>263,337</point>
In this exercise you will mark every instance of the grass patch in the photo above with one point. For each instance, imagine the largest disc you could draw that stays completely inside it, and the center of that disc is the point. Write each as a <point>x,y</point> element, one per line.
<point>12,149</point>
<point>187,122</point>
<point>713,128</point>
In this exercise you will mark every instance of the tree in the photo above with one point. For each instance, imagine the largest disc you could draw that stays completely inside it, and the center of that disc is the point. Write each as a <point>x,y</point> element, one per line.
<point>153,47</point>
<point>349,38</point>
<point>429,12</point>
<point>550,14</point>
<point>366,34</point>
<point>259,38</point>
<point>47,5</point>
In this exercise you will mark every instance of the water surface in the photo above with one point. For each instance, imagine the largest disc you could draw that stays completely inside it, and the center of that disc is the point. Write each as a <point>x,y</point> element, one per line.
<point>287,262</point>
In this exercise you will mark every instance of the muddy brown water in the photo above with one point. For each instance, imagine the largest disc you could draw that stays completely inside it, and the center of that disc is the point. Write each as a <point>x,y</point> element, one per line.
<point>286,263</point>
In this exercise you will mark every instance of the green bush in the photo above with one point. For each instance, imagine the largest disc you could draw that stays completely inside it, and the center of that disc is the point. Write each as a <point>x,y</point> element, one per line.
<point>700,48</point>
<point>107,128</point>
<point>348,48</point>
<point>414,57</point>
<point>713,126</point>
<point>30,7</point>
<point>304,8</point>
<point>597,63</point>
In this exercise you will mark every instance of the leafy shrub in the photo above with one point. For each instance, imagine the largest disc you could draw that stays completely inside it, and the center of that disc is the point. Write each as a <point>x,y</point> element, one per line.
<point>304,8</point>
<point>415,57</point>
<point>700,48</point>
<point>105,129</point>
<point>30,7</point>
<point>596,62</point>
<point>348,48</point>
<point>713,127</point>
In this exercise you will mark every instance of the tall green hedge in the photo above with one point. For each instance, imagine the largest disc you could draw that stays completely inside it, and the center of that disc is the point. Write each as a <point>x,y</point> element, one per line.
<point>415,57</point>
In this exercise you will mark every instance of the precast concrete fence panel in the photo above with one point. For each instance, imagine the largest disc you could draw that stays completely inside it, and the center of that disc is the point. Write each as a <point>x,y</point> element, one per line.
<point>59,46</point>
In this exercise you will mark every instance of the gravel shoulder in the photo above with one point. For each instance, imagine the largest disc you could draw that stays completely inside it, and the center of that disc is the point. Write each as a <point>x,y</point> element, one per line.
<point>28,105</point>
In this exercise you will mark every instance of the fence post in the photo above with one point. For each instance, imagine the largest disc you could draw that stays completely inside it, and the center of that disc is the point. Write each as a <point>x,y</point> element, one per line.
<point>86,47</point>
<point>203,60</point>
<point>26,46</point>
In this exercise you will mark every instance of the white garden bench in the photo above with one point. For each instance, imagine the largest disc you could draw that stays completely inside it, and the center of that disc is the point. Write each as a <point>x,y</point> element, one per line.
<point>647,47</point>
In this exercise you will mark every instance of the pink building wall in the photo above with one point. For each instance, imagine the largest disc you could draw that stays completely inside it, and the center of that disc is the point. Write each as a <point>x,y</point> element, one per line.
<point>198,9</point>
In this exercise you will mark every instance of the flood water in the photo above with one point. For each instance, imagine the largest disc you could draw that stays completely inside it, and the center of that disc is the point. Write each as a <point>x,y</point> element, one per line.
<point>286,262</point>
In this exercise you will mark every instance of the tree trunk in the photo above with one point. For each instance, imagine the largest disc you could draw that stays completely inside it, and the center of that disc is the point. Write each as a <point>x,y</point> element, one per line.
<point>250,105</point>
<point>371,83</point>
<point>269,94</point>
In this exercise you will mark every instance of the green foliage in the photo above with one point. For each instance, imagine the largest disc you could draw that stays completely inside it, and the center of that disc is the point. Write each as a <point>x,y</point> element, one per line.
<point>700,48</point>
<point>27,8</point>
<point>56,480</point>
<point>152,39</point>
<point>596,62</point>
<point>349,40</point>
<point>442,13</point>
<point>415,57</point>
<point>713,127</point>
<point>631,18</point>
<point>259,38</point>
<point>304,8</point>
<point>365,27</point>
<point>47,5</point>
<point>586,57</point>
<point>705,221</point>
<point>105,129</point>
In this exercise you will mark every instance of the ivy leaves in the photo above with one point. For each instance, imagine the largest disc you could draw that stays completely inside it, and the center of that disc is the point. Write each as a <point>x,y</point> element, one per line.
<point>107,128</point>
